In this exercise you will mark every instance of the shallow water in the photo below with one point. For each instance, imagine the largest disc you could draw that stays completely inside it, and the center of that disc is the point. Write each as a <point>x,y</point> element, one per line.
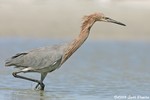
<point>99,70</point>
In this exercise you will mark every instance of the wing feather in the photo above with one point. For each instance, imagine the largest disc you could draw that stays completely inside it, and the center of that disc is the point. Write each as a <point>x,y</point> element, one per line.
<point>37,58</point>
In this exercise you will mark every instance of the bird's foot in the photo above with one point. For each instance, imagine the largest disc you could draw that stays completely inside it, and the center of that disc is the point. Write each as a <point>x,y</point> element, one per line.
<point>39,86</point>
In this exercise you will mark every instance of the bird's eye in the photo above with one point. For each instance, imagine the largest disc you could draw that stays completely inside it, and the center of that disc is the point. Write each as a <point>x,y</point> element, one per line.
<point>106,18</point>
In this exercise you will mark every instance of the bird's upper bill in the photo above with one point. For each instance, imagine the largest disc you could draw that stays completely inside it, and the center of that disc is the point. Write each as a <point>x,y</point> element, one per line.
<point>107,19</point>
<point>102,17</point>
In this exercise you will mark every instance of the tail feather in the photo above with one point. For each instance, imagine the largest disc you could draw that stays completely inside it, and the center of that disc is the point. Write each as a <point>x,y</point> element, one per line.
<point>14,59</point>
<point>8,63</point>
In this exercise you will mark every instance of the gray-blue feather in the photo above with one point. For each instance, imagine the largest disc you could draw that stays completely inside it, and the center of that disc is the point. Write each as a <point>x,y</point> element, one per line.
<point>38,58</point>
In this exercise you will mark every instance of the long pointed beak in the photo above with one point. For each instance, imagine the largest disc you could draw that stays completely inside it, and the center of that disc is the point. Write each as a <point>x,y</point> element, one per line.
<point>107,19</point>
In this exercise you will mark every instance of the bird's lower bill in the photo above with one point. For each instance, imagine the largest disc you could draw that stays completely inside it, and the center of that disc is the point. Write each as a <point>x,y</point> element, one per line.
<point>113,21</point>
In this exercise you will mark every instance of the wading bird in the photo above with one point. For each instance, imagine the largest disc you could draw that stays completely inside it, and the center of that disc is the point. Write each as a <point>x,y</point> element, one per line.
<point>47,59</point>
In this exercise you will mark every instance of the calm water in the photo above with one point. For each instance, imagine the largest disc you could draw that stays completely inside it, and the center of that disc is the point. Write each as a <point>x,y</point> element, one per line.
<point>98,70</point>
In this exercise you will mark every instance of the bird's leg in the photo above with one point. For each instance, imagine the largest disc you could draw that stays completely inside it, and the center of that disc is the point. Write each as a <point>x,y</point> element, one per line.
<point>42,86</point>
<point>43,75</point>
<point>22,77</point>
<point>26,78</point>
<point>36,86</point>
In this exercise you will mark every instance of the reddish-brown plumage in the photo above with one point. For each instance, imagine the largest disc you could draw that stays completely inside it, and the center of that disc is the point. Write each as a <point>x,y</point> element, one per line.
<point>88,21</point>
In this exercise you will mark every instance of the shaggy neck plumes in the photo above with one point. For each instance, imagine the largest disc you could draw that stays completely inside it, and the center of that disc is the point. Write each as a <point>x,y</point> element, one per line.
<point>78,41</point>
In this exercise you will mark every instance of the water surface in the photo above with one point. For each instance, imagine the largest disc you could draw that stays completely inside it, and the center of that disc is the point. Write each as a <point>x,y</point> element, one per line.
<point>99,70</point>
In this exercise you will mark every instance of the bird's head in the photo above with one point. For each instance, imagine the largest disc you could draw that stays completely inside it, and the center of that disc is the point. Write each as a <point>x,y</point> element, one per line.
<point>102,17</point>
<point>89,20</point>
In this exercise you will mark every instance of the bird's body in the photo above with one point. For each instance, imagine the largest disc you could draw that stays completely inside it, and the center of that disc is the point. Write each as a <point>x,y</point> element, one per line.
<point>47,59</point>
<point>38,59</point>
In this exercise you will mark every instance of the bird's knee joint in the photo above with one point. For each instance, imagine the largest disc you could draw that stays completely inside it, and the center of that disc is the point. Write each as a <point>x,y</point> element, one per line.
<point>14,74</point>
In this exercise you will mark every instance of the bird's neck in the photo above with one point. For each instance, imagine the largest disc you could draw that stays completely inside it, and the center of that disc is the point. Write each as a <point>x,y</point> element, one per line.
<point>79,40</point>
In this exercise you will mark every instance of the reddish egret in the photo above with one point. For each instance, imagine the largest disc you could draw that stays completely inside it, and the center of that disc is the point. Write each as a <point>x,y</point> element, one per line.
<point>47,59</point>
